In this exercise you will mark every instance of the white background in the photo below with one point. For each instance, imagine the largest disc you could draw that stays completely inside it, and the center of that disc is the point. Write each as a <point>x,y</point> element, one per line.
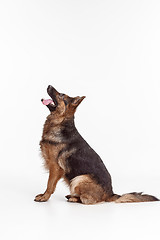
<point>110,52</point>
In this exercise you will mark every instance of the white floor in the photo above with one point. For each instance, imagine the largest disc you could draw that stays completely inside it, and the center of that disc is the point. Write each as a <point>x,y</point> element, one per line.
<point>22,218</point>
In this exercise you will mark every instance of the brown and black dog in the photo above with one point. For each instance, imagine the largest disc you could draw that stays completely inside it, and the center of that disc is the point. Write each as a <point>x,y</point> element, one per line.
<point>67,155</point>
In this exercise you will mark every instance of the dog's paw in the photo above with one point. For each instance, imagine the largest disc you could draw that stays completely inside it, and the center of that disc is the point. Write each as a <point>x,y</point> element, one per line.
<point>68,196</point>
<point>42,197</point>
<point>73,198</point>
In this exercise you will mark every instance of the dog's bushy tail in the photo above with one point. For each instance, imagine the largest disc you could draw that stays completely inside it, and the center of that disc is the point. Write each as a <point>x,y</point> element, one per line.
<point>132,197</point>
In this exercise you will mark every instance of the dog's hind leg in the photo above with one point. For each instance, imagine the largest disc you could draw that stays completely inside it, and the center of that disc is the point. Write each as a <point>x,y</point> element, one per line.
<point>55,173</point>
<point>87,190</point>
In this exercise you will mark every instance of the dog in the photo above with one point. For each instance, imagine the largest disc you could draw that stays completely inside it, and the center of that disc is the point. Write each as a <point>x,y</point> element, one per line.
<point>67,155</point>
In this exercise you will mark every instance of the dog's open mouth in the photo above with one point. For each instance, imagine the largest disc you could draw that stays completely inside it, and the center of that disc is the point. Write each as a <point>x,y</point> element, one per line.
<point>47,102</point>
<point>52,102</point>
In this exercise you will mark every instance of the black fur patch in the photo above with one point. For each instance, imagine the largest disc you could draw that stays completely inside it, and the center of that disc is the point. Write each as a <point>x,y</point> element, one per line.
<point>84,160</point>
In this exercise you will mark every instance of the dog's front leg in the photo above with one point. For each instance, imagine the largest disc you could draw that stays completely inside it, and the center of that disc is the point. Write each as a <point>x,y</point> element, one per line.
<point>55,173</point>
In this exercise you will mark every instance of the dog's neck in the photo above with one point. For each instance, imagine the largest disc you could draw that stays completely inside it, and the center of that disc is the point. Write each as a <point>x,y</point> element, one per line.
<point>69,123</point>
<point>61,132</point>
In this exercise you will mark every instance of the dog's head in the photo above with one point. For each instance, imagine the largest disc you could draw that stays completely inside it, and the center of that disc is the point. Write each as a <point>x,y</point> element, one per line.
<point>60,104</point>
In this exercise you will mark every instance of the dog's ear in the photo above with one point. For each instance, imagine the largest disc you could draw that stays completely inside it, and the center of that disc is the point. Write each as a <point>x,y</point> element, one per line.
<point>77,100</point>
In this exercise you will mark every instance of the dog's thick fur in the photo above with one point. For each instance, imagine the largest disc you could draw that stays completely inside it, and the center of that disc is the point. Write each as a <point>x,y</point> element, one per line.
<point>67,155</point>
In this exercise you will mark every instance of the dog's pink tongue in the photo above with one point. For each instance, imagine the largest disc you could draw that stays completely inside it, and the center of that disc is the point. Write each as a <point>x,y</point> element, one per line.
<point>47,101</point>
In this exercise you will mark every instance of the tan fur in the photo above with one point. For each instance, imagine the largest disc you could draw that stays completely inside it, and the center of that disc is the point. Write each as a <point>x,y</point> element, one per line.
<point>55,173</point>
<point>50,153</point>
<point>134,197</point>
<point>87,190</point>
<point>62,160</point>
<point>73,199</point>
<point>78,180</point>
<point>127,198</point>
<point>51,132</point>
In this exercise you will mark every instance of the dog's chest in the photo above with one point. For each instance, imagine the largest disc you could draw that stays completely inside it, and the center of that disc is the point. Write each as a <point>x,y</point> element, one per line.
<point>51,144</point>
<point>51,152</point>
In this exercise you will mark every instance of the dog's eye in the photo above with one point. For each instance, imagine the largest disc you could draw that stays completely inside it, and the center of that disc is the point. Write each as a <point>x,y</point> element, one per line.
<point>62,96</point>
